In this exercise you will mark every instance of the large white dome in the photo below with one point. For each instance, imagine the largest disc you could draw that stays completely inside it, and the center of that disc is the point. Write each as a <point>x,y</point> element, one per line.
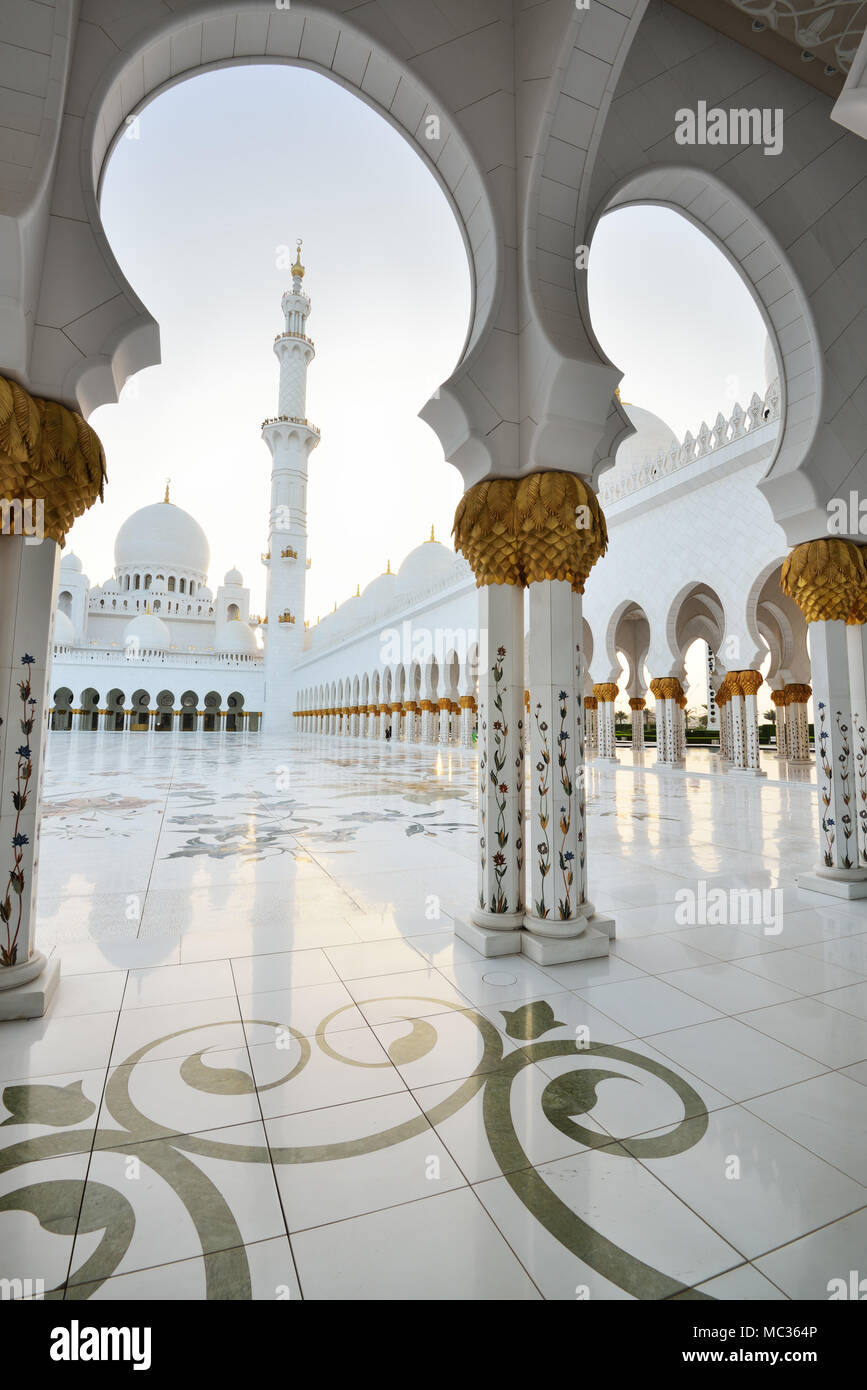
<point>64,632</point>
<point>651,435</point>
<point>236,638</point>
<point>162,536</point>
<point>428,564</point>
<point>150,631</point>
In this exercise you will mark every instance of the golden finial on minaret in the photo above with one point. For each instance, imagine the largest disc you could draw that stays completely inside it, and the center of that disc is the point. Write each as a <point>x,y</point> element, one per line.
<point>166,498</point>
<point>335,606</point>
<point>357,593</point>
<point>431,537</point>
<point>388,567</point>
<point>298,269</point>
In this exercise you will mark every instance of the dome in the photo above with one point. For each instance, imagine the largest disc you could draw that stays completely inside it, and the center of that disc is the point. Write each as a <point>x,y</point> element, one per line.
<point>163,537</point>
<point>379,592</point>
<point>236,639</point>
<point>233,578</point>
<point>149,630</point>
<point>64,632</point>
<point>651,435</point>
<point>71,562</point>
<point>426,565</point>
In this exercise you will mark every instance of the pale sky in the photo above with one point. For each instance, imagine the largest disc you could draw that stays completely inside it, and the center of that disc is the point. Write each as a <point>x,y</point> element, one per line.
<point>200,200</point>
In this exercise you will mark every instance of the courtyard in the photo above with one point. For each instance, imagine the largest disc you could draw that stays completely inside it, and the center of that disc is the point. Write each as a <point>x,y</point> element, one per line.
<point>272,1071</point>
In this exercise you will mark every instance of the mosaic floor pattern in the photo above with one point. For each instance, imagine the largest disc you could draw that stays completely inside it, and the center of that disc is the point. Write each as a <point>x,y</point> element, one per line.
<point>271,1070</point>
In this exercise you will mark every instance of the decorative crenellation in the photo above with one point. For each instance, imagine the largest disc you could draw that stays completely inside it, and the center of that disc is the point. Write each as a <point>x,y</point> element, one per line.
<point>524,530</point>
<point>762,410</point>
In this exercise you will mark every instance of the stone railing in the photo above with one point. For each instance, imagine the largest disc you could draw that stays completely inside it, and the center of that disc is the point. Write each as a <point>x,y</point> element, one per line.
<point>80,656</point>
<point>741,423</point>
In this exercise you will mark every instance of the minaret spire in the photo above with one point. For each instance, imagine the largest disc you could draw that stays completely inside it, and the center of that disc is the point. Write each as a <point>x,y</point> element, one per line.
<point>291,439</point>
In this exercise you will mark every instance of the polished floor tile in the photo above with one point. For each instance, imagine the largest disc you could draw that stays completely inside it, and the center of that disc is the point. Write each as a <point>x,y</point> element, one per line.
<point>271,1071</point>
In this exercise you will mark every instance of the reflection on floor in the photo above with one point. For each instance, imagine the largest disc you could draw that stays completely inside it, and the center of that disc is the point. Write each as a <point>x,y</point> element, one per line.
<point>272,1072</point>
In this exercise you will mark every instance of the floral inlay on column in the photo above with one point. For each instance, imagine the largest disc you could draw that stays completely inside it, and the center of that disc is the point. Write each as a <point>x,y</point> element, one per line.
<point>24,771</point>
<point>543,815</point>
<point>567,856</point>
<point>500,902</point>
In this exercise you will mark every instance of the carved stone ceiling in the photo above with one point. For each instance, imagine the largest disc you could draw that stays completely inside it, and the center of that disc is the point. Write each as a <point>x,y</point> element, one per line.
<point>816,42</point>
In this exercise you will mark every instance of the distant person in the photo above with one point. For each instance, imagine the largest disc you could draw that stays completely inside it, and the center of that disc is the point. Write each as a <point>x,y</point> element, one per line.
<point>388,733</point>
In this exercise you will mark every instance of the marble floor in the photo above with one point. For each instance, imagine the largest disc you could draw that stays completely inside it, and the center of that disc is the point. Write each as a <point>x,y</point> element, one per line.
<point>271,1071</point>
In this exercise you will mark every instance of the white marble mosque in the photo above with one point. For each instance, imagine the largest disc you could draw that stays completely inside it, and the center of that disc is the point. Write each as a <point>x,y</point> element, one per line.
<point>351,931</point>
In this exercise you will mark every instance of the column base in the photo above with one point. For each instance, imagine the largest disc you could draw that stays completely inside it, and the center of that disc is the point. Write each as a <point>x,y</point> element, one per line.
<point>747,772</point>
<point>489,941</point>
<point>592,943</point>
<point>798,762</point>
<point>815,881</point>
<point>606,758</point>
<point>31,998</point>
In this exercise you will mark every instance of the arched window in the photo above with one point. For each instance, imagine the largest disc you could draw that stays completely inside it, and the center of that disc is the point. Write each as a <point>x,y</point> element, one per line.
<point>192,587</point>
<point>183,586</point>
<point>126,582</point>
<point>232,612</point>
<point>147,581</point>
<point>156,605</point>
<point>171,583</point>
<point>137,581</point>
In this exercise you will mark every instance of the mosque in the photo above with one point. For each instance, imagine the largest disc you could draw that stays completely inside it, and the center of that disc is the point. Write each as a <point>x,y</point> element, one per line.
<point>354,945</point>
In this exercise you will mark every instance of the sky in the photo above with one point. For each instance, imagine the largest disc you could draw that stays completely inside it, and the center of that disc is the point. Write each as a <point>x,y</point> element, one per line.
<point>202,202</point>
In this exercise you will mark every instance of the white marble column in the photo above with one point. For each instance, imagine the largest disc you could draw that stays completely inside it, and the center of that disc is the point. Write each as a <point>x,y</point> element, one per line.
<point>444,705</point>
<point>557,920</point>
<point>428,719</point>
<point>494,926</point>
<point>468,719</point>
<point>856,641</point>
<point>28,581</point>
<point>746,706</point>
<point>798,724</point>
<point>839,872</point>
<point>636,705</point>
<point>606,694</point>
<point>778,699</point>
<point>591,725</point>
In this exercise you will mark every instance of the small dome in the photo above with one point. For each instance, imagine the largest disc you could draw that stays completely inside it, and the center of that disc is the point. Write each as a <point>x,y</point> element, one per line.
<point>71,562</point>
<point>162,537</point>
<point>426,565</point>
<point>64,632</point>
<point>233,578</point>
<point>149,630</point>
<point>236,639</point>
<point>651,435</point>
<point>203,593</point>
<point>379,592</point>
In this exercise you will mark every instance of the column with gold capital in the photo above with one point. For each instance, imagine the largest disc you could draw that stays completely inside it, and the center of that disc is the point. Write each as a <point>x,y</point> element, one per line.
<point>52,468</point>
<point>606,694</point>
<point>563,534</point>
<point>591,724</point>
<point>827,578</point>
<point>748,685</point>
<point>797,723</point>
<point>778,700</point>
<point>485,533</point>
<point>637,705</point>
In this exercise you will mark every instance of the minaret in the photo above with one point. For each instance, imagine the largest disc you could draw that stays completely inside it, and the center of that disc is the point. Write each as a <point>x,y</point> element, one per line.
<point>291,438</point>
